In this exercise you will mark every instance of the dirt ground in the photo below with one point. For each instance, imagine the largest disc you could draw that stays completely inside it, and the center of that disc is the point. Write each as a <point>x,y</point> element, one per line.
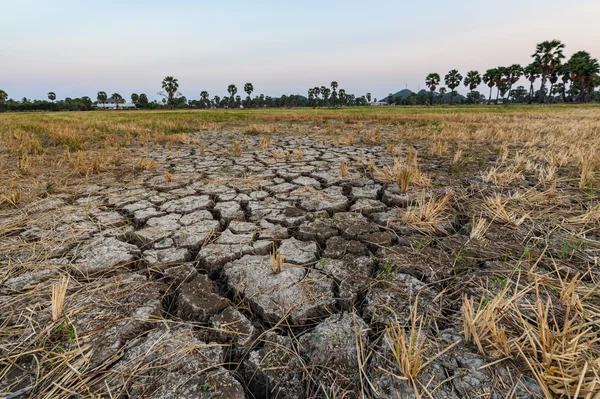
<point>306,265</point>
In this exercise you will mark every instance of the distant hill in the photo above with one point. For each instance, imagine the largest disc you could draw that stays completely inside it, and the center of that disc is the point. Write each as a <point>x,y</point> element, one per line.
<point>405,93</point>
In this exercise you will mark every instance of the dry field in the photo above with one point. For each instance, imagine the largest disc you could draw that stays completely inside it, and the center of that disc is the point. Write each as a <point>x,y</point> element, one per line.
<point>388,252</point>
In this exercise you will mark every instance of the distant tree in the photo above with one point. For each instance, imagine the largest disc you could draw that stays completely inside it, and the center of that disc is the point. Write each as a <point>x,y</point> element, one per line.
<point>584,71</point>
<point>102,97</point>
<point>143,100</point>
<point>325,93</point>
<point>170,85</point>
<point>311,96</point>
<point>489,78</point>
<point>441,94</point>
<point>317,92</point>
<point>51,96</point>
<point>548,55</point>
<point>118,99</point>
<point>452,79</point>
<point>518,95</point>
<point>564,71</point>
<point>390,99</point>
<point>217,101</point>
<point>432,81</point>
<point>204,98</point>
<point>232,89</point>
<point>472,80</point>
<point>515,71</point>
<point>135,98</point>
<point>334,94</point>
<point>532,72</point>
<point>368,96</point>
<point>3,98</point>
<point>342,96</point>
<point>501,82</point>
<point>248,88</point>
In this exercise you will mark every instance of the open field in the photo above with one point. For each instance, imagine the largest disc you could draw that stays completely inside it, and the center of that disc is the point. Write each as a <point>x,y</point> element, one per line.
<point>379,252</point>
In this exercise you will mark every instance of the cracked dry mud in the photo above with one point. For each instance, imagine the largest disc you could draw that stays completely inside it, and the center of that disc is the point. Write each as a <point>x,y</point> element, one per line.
<point>172,293</point>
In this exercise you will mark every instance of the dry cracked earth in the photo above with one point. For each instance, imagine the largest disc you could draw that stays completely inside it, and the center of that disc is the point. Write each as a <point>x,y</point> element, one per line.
<point>172,292</point>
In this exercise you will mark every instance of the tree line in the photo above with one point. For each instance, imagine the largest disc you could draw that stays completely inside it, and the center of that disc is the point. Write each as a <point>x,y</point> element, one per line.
<point>560,80</point>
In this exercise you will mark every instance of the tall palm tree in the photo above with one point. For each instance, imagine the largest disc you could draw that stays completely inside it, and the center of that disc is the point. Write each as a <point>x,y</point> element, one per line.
<point>564,71</point>
<point>432,81</point>
<point>515,71</point>
<point>248,88</point>
<point>342,96</point>
<point>441,94</point>
<point>501,82</point>
<point>368,97</point>
<point>101,96</point>
<point>231,89</point>
<point>585,70</point>
<point>334,86</point>
<point>325,93</point>
<point>472,80</point>
<point>532,72</point>
<point>549,55</point>
<point>204,98</point>
<point>117,98</point>
<point>135,98</point>
<point>170,85</point>
<point>51,96</point>
<point>453,79</point>
<point>489,78</point>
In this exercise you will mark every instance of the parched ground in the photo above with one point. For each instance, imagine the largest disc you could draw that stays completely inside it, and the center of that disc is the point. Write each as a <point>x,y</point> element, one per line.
<point>325,262</point>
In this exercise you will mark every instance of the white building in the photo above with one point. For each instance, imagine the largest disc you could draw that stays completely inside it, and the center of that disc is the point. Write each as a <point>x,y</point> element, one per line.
<point>111,103</point>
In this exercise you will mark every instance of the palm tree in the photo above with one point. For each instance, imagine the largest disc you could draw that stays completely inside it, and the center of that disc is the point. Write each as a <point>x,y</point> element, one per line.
<point>472,80</point>
<point>325,93</point>
<point>441,94</point>
<point>564,71</point>
<point>453,79</point>
<point>217,101</point>
<point>170,85</point>
<point>342,96</point>
<point>232,89</point>
<point>432,81</point>
<point>204,98</point>
<point>585,70</point>
<point>368,97</point>
<point>135,98</point>
<point>334,86</point>
<point>51,96</point>
<point>117,98</point>
<point>532,72</point>
<point>248,88</point>
<point>489,78</point>
<point>501,81</point>
<point>515,71</point>
<point>549,55</point>
<point>101,96</point>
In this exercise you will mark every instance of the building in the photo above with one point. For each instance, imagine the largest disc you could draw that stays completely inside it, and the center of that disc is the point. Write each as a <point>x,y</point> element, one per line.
<point>111,103</point>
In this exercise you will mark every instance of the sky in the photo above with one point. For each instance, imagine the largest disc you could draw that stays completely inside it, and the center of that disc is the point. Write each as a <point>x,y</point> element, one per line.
<point>77,48</point>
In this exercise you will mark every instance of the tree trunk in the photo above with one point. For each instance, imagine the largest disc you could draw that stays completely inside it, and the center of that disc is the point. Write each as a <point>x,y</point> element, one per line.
<point>431,98</point>
<point>543,90</point>
<point>490,99</point>
<point>530,93</point>
<point>497,95</point>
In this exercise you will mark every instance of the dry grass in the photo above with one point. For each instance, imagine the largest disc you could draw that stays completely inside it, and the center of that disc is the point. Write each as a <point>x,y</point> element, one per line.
<point>428,216</point>
<point>344,169</point>
<point>59,291</point>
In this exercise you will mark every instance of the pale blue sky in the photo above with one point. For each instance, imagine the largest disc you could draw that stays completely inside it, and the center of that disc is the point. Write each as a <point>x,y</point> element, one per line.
<point>77,48</point>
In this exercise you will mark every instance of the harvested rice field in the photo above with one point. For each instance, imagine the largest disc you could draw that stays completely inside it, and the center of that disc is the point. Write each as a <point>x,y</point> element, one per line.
<point>382,252</point>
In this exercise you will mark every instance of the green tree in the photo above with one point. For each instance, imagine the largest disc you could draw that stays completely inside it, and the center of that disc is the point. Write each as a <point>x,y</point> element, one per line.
<point>143,100</point>
<point>489,78</point>
<point>170,85</point>
<point>51,96</point>
<point>432,81</point>
<point>102,97</point>
<point>325,93</point>
<point>472,80</point>
<point>453,79</point>
<point>514,73</point>
<point>532,72</point>
<point>584,72</point>
<point>232,89</point>
<point>204,97</point>
<point>135,98</point>
<point>3,98</point>
<point>118,99</point>
<point>248,88</point>
<point>441,95</point>
<point>390,99</point>
<point>368,96</point>
<point>548,55</point>
<point>334,94</point>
